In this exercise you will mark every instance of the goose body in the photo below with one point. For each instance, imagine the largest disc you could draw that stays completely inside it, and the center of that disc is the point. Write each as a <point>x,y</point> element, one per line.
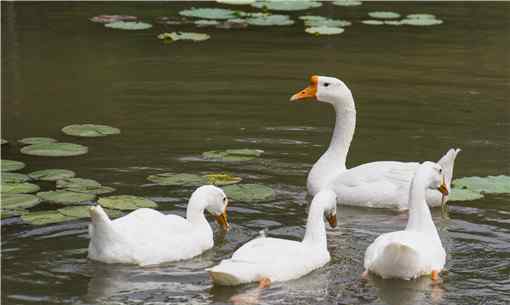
<point>417,250</point>
<point>383,184</point>
<point>148,237</point>
<point>278,259</point>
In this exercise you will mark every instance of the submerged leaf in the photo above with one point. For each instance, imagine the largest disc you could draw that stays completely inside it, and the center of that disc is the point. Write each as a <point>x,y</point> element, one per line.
<point>112,18</point>
<point>19,188</point>
<point>52,174</point>
<point>19,201</point>
<point>10,166</point>
<point>14,177</point>
<point>126,202</point>
<point>180,179</point>
<point>128,25</point>
<point>90,130</point>
<point>232,154</point>
<point>55,150</point>
<point>65,197</point>
<point>249,192</point>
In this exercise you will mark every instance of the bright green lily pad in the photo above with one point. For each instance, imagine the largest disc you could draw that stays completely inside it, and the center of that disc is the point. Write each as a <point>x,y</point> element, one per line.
<point>422,21</point>
<point>128,25</point>
<point>82,211</point>
<point>36,140</point>
<point>10,166</point>
<point>52,174</point>
<point>11,213</point>
<point>3,141</point>
<point>184,36</point>
<point>347,2</point>
<point>77,183</point>
<point>222,179</point>
<point>290,5</point>
<point>277,20</point>
<point>14,177</point>
<point>236,2</point>
<point>326,22</point>
<point>19,201</point>
<point>249,192</point>
<point>19,188</point>
<point>486,185</point>
<point>372,22</point>
<point>209,13</point>
<point>459,194</point>
<point>126,202</point>
<point>90,130</point>
<point>55,150</point>
<point>232,154</point>
<point>45,217</point>
<point>384,15</point>
<point>65,197</point>
<point>181,179</point>
<point>324,30</point>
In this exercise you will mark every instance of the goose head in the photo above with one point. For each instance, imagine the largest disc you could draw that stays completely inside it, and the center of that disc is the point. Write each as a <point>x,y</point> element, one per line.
<point>215,202</point>
<point>327,199</point>
<point>328,90</point>
<point>434,174</point>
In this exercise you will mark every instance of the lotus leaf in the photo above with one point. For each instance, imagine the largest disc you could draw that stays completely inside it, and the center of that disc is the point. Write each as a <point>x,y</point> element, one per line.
<point>19,201</point>
<point>384,15</point>
<point>394,22</point>
<point>204,23</point>
<point>312,18</point>
<point>372,22</point>
<point>19,188</point>
<point>77,183</point>
<point>290,5</point>
<point>90,130</point>
<point>270,20</point>
<point>83,212</point>
<point>347,2</point>
<point>184,36</point>
<point>55,150</point>
<point>222,179</point>
<point>422,21</point>
<point>14,178</point>
<point>249,192</point>
<point>126,202</point>
<point>65,197</point>
<point>324,30</point>
<point>98,190</point>
<point>236,23</point>
<point>10,166</point>
<point>36,140</point>
<point>128,25</point>
<point>459,194</point>
<point>45,217</point>
<point>112,18</point>
<point>209,13</point>
<point>486,185</point>
<point>421,16</point>
<point>173,179</point>
<point>335,23</point>
<point>52,174</point>
<point>232,154</point>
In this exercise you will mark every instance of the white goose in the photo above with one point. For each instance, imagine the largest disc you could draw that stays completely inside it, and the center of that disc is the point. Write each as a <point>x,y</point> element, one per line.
<point>267,259</point>
<point>148,237</point>
<point>417,250</point>
<point>383,184</point>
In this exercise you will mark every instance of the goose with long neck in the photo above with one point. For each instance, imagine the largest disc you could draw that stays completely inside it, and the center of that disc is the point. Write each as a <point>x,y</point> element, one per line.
<point>383,184</point>
<point>417,250</point>
<point>148,237</point>
<point>267,259</point>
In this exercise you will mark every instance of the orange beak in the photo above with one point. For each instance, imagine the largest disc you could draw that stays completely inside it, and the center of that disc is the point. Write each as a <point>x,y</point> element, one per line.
<point>443,188</point>
<point>332,220</point>
<point>309,91</point>
<point>221,219</point>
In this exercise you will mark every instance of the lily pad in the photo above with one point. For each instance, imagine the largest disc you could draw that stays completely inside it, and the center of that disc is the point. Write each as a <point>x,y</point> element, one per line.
<point>19,201</point>
<point>236,23</point>
<point>55,150</point>
<point>236,2</point>
<point>249,192</point>
<point>11,213</point>
<point>45,217</point>
<point>204,23</point>
<point>312,18</point>
<point>372,22</point>
<point>232,154</point>
<point>422,21</point>
<point>19,188</point>
<point>128,25</point>
<point>278,20</point>
<point>384,15</point>
<point>98,190</point>
<point>90,130</point>
<point>65,197</point>
<point>209,13</point>
<point>324,30</point>
<point>112,18</point>
<point>3,141</point>
<point>326,22</point>
<point>10,166</point>
<point>282,5</point>
<point>459,194</point>
<point>52,174</point>
<point>421,16</point>
<point>394,22</point>
<point>82,211</point>
<point>77,183</point>
<point>173,179</point>
<point>36,140</point>
<point>222,179</point>
<point>184,36</point>
<point>486,185</point>
<point>346,3</point>
<point>126,202</point>
<point>14,178</point>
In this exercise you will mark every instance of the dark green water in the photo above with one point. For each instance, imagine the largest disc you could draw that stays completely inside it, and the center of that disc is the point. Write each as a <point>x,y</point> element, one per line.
<point>419,91</point>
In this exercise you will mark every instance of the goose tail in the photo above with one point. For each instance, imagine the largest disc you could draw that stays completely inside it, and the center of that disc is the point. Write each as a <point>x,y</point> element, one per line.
<point>397,260</point>
<point>228,273</point>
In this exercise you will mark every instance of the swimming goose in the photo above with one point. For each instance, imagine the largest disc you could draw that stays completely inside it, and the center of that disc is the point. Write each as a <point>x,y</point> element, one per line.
<point>148,237</point>
<point>383,184</point>
<point>267,259</point>
<point>417,250</point>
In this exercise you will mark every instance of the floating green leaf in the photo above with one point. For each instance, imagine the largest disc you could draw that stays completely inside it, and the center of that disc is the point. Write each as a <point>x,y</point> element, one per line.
<point>232,154</point>
<point>209,13</point>
<point>334,23</point>
<point>52,174</point>
<point>55,150</point>
<point>204,23</point>
<point>36,140</point>
<point>98,190</point>
<point>10,166</point>
<point>422,21</point>
<point>459,194</point>
<point>45,217</point>
<point>236,2</point>
<point>222,179</point>
<point>77,183</point>
<point>14,178</point>
<point>372,22</point>
<point>312,18</point>
<point>181,179</point>
<point>324,30</point>
<point>291,5</point>
<point>19,188</point>
<point>278,20</point>
<point>19,201</point>
<point>346,2</point>
<point>394,22</point>
<point>126,202</point>
<point>112,18</point>
<point>128,25</point>
<point>11,213</point>
<point>184,36</point>
<point>249,192</point>
<point>90,130</point>
<point>384,15</point>
<point>82,211</point>
<point>65,197</point>
<point>421,16</point>
<point>487,185</point>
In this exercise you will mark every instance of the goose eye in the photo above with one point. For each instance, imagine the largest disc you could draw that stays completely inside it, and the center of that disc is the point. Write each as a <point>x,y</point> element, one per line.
<point>326,84</point>
<point>224,199</point>
<point>440,170</point>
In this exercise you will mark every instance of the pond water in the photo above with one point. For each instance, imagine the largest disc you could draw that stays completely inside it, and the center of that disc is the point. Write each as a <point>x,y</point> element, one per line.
<point>419,91</point>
